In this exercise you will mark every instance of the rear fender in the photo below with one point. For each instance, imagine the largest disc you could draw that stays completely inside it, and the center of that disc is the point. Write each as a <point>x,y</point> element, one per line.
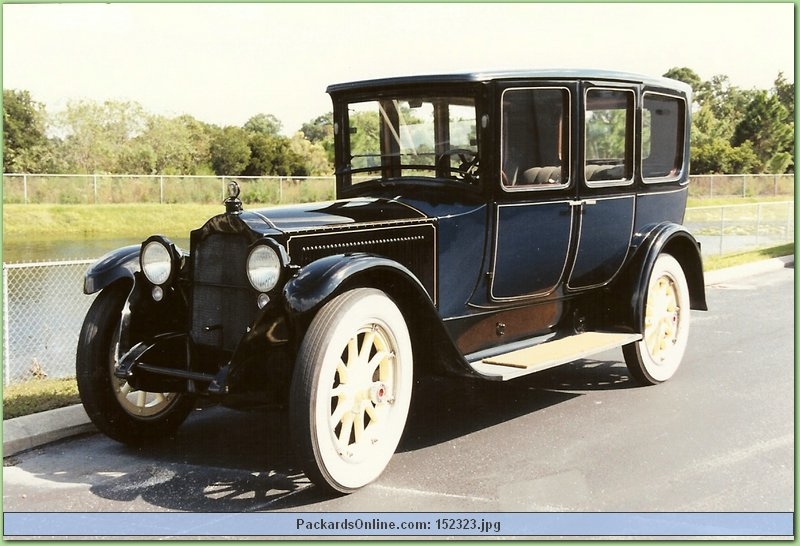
<point>630,288</point>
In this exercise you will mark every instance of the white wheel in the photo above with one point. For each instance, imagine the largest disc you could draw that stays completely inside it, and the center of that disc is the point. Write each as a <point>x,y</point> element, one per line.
<point>351,390</point>
<point>656,357</point>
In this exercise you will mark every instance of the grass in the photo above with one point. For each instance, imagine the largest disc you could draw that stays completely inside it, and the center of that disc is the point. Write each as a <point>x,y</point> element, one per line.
<point>47,221</point>
<point>25,222</point>
<point>37,395</point>
<point>694,202</point>
<point>739,258</point>
<point>140,220</point>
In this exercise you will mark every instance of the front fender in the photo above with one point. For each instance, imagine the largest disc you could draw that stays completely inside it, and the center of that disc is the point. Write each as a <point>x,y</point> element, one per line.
<point>318,281</point>
<point>117,264</point>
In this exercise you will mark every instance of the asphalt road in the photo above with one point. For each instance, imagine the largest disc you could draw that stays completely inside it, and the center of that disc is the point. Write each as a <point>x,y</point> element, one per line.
<point>717,437</point>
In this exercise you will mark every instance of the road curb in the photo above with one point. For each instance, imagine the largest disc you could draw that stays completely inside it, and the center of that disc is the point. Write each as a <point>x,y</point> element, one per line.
<point>30,431</point>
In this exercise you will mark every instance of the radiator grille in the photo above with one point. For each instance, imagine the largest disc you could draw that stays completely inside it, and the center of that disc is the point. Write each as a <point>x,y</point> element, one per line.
<point>223,303</point>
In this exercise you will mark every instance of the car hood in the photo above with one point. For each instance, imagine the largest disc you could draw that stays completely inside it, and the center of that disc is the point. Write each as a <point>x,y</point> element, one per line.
<point>293,218</point>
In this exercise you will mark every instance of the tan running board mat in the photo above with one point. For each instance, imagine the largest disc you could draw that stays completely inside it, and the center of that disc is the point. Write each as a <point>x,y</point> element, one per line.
<point>550,354</point>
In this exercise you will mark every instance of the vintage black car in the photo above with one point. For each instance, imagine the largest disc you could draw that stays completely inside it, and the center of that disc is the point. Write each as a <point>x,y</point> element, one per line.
<point>486,224</point>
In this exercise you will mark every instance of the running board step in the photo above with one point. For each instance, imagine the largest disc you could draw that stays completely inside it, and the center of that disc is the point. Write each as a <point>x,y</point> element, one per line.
<point>550,354</point>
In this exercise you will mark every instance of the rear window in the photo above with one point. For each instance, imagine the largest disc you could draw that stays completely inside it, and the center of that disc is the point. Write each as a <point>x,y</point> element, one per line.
<point>663,119</point>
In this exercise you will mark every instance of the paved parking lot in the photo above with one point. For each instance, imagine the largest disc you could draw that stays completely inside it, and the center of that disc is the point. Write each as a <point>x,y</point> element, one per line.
<point>718,437</point>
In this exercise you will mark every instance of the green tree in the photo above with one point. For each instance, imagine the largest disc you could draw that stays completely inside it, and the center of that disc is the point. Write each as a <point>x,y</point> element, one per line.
<point>178,145</point>
<point>230,151</point>
<point>266,124</point>
<point>266,155</point>
<point>98,136</point>
<point>320,131</point>
<point>785,93</point>
<point>766,126</point>
<point>310,158</point>
<point>686,75</point>
<point>25,144</point>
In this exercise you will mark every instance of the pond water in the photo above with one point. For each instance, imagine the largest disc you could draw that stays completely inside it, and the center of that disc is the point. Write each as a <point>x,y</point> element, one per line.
<point>76,249</point>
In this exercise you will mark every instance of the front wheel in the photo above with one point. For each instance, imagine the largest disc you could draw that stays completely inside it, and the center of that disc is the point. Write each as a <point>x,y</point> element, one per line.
<point>656,357</point>
<point>122,413</point>
<point>351,390</point>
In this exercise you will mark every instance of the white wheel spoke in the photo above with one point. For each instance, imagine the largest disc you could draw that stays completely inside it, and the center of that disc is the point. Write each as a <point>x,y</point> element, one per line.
<point>366,347</point>
<point>347,428</point>
<point>342,369</point>
<point>141,399</point>
<point>352,352</point>
<point>359,425</point>
<point>338,413</point>
<point>373,414</point>
<point>376,361</point>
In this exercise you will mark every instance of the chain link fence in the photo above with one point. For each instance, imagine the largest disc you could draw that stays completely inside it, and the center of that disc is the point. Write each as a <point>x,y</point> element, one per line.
<point>721,186</point>
<point>91,189</point>
<point>738,228</point>
<point>44,304</point>
<point>94,189</point>
<point>43,309</point>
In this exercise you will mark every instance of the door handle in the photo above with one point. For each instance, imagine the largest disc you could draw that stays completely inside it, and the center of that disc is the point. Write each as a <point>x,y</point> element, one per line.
<point>582,202</point>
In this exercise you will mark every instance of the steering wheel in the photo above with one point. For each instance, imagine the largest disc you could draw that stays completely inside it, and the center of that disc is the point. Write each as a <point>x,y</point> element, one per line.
<point>469,162</point>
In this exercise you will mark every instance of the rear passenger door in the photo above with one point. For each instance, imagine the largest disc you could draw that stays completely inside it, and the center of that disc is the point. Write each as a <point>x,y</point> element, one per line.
<point>606,202</point>
<point>533,224</point>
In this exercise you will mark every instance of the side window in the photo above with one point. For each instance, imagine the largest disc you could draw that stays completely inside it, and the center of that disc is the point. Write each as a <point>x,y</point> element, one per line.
<point>609,137</point>
<point>663,124</point>
<point>535,132</point>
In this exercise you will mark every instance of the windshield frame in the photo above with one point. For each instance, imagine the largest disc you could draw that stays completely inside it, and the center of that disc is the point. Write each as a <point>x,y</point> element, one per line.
<point>444,163</point>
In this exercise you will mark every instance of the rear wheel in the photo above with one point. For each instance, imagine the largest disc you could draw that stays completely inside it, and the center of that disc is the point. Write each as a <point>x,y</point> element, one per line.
<point>121,412</point>
<point>656,357</point>
<point>351,390</point>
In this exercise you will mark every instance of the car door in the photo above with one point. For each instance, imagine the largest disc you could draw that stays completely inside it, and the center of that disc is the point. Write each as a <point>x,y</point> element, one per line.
<point>606,192</point>
<point>534,212</point>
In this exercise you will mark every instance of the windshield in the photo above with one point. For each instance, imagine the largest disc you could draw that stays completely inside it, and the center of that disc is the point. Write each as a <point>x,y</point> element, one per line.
<point>423,137</point>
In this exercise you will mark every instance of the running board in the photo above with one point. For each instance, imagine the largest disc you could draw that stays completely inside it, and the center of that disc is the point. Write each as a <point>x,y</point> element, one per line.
<point>550,354</point>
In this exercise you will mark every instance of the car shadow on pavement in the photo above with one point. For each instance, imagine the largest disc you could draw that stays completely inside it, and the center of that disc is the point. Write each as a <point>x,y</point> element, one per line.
<point>223,460</point>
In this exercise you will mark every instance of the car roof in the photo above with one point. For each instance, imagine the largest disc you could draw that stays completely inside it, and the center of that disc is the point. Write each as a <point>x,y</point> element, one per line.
<point>494,75</point>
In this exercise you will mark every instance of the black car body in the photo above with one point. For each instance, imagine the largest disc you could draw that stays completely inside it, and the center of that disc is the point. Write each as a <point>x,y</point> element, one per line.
<point>486,224</point>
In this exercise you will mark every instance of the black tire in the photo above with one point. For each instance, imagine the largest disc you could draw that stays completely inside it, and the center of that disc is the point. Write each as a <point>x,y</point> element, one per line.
<point>656,357</point>
<point>128,416</point>
<point>351,390</point>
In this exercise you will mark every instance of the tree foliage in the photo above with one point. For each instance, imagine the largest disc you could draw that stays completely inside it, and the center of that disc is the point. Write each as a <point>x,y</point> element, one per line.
<point>733,131</point>
<point>739,131</point>
<point>24,140</point>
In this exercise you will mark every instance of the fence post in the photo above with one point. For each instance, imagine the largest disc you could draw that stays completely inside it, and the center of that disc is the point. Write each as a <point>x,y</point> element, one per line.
<point>25,187</point>
<point>94,184</point>
<point>161,188</point>
<point>224,193</point>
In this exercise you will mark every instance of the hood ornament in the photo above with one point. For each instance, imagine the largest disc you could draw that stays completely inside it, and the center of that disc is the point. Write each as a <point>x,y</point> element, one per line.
<point>233,205</point>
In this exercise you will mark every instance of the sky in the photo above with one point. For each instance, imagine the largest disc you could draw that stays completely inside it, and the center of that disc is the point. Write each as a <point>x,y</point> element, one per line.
<point>224,63</point>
